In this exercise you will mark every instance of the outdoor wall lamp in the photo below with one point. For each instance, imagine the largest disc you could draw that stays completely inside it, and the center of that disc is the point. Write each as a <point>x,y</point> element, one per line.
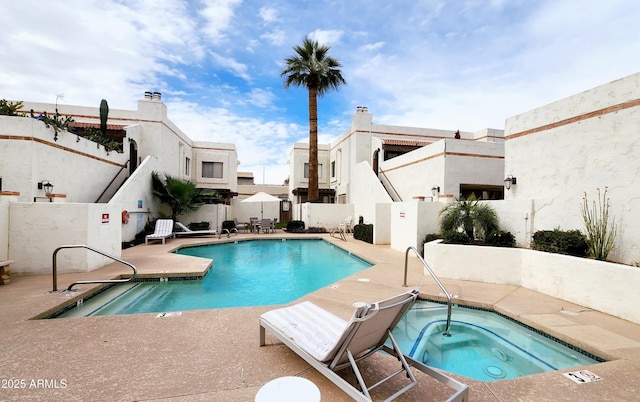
<point>46,186</point>
<point>435,190</point>
<point>509,181</point>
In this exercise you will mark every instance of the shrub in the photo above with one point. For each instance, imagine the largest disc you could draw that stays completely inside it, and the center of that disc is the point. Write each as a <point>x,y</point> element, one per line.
<point>570,242</point>
<point>363,232</point>
<point>431,237</point>
<point>316,229</point>
<point>199,226</point>
<point>295,227</point>
<point>455,237</point>
<point>500,238</point>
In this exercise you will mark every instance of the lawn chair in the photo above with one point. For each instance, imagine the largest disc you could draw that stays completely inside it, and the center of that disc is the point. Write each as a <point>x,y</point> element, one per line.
<point>163,230</point>
<point>330,344</point>
<point>185,231</point>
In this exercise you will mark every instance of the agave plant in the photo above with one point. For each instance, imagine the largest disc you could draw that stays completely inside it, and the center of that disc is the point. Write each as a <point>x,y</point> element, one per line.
<point>477,220</point>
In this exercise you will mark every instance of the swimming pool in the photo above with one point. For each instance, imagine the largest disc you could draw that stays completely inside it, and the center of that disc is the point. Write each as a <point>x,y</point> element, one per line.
<point>482,345</point>
<point>244,273</point>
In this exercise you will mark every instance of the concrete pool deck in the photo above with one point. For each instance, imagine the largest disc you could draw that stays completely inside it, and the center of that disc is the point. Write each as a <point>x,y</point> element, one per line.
<point>213,355</point>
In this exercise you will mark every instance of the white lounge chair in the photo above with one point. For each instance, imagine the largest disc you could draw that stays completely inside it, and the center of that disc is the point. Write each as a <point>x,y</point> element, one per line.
<point>185,231</point>
<point>162,231</point>
<point>329,343</point>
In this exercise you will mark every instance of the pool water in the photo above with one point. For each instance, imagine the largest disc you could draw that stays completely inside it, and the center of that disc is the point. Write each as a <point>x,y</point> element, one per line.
<point>244,273</point>
<point>482,345</point>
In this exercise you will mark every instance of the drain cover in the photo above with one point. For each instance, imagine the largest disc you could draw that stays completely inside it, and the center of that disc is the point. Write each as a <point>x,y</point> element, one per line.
<point>495,372</point>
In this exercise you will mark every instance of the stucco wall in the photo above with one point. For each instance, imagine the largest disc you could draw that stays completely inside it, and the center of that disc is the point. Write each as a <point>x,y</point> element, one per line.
<point>30,155</point>
<point>410,223</point>
<point>4,229</point>
<point>587,141</point>
<point>366,191</point>
<point>611,288</point>
<point>135,197</point>
<point>328,216</point>
<point>47,226</point>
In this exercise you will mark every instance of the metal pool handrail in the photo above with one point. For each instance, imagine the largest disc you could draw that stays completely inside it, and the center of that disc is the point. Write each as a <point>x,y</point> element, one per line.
<point>55,267</point>
<point>435,277</point>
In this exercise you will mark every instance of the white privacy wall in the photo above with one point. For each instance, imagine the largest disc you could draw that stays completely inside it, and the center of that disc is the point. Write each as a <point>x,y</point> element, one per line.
<point>579,144</point>
<point>47,226</point>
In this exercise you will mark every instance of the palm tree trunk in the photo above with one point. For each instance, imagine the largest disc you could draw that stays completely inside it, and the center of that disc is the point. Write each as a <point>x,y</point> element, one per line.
<point>313,194</point>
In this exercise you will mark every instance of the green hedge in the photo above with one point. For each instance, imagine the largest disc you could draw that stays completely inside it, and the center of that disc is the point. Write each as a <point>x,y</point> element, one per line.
<point>500,238</point>
<point>455,237</point>
<point>295,227</point>
<point>571,242</point>
<point>363,232</point>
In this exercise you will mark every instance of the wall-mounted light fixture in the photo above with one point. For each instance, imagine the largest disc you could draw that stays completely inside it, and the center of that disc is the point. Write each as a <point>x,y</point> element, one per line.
<point>46,186</point>
<point>435,190</point>
<point>509,181</point>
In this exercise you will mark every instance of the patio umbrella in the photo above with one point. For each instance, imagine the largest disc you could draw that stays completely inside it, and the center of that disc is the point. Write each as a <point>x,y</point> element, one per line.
<point>261,197</point>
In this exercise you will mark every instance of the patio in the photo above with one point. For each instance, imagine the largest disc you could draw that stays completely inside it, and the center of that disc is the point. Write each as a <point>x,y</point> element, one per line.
<point>214,354</point>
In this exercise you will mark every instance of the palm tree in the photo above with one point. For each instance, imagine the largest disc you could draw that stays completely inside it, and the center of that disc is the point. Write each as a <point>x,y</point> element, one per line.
<point>313,68</point>
<point>469,214</point>
<point>181,196</point>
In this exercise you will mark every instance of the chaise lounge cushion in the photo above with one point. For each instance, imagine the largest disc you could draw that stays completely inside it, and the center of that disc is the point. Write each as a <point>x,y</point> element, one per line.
<point>316,330</point>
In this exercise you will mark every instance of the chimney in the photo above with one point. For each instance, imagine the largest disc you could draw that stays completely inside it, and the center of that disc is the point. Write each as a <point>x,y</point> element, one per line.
<point>147,95</point>
<point>157,96</point>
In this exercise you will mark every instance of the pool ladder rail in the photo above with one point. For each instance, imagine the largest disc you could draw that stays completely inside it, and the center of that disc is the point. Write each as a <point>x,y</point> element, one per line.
<point>55,267</point>
<point>435,277</point>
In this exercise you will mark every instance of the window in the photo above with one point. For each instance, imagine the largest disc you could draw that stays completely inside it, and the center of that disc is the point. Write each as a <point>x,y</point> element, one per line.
<point>306,170</point>
<point>212,170</point>
<point>333,169</point>
<point>187,166</point>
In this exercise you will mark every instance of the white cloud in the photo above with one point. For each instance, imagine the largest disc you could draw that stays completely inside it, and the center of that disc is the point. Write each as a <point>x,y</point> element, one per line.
<point>276,37</point>
<point>268,14</point>
<point>232,65</point>
<point>437,64</point>
<point>327,37</point>
<point>218,15</point>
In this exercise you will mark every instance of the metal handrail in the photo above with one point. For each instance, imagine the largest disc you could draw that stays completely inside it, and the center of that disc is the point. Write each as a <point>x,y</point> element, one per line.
<point>433,275</point>
<point>55,267</point>
<point>383,174</point>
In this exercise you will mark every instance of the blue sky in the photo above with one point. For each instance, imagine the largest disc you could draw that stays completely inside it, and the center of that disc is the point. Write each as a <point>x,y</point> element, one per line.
<point>449,65</point>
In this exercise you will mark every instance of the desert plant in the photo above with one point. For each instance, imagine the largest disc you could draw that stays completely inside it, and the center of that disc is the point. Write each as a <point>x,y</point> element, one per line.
<point>104,114</point>
<point>57,122</point>
<point>9,108</point>
<point>600,227</point>
<point>96,136</point>
<point>476,219</point>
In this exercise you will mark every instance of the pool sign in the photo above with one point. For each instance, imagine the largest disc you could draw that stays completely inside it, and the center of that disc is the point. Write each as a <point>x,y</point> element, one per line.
<point>583,376</point>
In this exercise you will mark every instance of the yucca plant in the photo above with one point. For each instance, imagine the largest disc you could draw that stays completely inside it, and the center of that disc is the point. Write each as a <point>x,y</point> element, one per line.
<point>600,227</point>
